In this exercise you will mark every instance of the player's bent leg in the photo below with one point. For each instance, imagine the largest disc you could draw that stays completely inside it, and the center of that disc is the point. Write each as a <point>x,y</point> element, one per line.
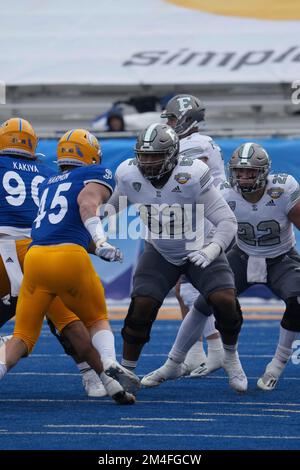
<point>103,341</point>
<point>215,350</point>
<point>76,342</point>
<point>137,327</point>
<point>229,322</point>
<point>10,354</point>
<point>216,283</point>
<point>29,320</point>
<point>87,301</point>
<point>154,277</point>
<point>196,356</point>
<point>289,331</point>
<point>190,329</point>
<point>76,339</point>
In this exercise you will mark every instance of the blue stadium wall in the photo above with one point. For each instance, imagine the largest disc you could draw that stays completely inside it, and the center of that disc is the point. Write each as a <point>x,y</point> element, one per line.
<point>116,277</point>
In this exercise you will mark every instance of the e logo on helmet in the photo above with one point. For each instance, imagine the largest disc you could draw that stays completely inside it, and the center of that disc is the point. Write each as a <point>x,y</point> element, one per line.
<point>184,104</point>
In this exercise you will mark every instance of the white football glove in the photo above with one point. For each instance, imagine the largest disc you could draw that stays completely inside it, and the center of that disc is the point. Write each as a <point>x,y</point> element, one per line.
<point>104,250</point>
<point>205,256</point>
<point>108,252</point>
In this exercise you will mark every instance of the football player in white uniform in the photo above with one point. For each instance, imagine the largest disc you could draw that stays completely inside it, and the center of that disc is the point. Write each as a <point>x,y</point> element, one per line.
<point>266,207</point>
<point>162,185</point>
<point>185,113</point>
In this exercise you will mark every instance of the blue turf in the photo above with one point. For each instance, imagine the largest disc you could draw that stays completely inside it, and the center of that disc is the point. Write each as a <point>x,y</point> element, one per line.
<point>35,409</point>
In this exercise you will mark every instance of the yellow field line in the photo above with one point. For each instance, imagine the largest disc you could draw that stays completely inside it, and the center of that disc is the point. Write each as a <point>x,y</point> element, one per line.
<point>176,310</point>
<point>172,313</point>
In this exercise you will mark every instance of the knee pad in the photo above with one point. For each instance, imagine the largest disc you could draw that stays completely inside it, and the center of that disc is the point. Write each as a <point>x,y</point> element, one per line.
<point>229,322</point>
<point>291,317</point>
<point>141,314</point>
<point>7,309</point>
<point>202,306</point>
<point>65,343</point>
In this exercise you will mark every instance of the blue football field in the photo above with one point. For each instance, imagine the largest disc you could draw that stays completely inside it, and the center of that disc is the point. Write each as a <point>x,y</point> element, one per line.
<point>43,405</point>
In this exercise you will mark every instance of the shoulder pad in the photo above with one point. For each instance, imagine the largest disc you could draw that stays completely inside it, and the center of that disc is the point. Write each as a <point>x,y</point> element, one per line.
<point>185,161</point>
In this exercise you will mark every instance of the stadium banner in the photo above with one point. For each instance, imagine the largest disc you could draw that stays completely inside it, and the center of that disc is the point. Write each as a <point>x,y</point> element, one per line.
<point>117,277</point>
<point>155,42</point>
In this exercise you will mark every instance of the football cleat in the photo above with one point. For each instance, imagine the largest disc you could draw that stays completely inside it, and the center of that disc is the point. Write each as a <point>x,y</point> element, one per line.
<point>199,371</point>
<point>195,360</point>
<point>213,362</point>
<point>93,384</point>
<point>237,377</point>
<point>116,392</point>
<point>169,371</point>
<point>129,381</point>
<point>215,358</point>
<point>267,381</point>
<point>124,398</point>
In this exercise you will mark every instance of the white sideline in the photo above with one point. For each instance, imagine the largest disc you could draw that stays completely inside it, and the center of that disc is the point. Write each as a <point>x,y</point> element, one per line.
<point>217,436</point>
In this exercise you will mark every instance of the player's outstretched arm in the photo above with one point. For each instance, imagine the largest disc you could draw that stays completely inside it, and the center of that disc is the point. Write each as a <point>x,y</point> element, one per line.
<point>89,199</point>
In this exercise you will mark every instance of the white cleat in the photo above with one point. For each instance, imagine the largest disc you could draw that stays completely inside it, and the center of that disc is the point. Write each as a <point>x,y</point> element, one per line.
<point>269,379</point>
<point>195,360</point>
<point>129,381</point>
<point>215,360</point>
<point>267,382</point>
<point>237,377</point>
<point>200,371</point>
<point>116,392</point>
<point>4,339</point>
<point>213,363</point>
<point>93,384</point>
<point>169,371</point>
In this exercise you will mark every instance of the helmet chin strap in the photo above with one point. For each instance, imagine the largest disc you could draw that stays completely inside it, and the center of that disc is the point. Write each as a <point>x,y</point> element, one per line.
<point>252,190</point>
<point>187,131</point>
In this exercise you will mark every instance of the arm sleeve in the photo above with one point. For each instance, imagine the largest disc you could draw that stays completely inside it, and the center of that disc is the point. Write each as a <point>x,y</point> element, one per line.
<point>217,211</point>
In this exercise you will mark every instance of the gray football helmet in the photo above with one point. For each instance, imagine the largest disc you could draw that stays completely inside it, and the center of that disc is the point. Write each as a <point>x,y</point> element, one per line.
<point>156,151</point>
<point>188,110</point>
<point>249,156</point>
